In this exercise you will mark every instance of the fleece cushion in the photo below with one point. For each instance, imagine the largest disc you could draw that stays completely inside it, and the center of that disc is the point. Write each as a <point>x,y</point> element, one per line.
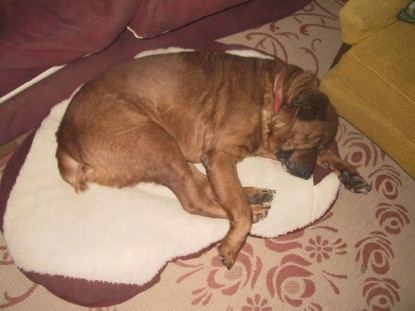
<point>60,239</point>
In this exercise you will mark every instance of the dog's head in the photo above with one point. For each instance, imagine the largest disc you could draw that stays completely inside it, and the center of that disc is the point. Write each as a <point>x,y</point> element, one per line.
<point>305,125</point>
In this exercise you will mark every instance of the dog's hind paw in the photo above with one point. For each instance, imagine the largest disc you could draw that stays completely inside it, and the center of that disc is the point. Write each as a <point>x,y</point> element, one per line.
<point>355,183</point>
<point>259,195</point>
<point>260,201</point>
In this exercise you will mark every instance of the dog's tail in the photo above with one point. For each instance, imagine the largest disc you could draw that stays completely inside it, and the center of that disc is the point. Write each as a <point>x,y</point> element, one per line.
<point>72,171</point>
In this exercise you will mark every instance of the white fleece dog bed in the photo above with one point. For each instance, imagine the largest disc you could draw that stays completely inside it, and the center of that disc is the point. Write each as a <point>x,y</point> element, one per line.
<point>49,229</point>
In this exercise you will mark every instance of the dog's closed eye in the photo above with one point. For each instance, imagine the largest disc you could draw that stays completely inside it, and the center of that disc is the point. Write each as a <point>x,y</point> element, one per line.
<point>312,106</point>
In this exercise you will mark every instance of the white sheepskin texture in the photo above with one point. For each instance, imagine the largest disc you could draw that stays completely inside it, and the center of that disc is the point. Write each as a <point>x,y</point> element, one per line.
<point>128,235</point>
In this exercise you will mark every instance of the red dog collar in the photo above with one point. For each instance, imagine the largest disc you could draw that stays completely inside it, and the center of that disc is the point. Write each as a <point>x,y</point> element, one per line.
<point>278,93</point>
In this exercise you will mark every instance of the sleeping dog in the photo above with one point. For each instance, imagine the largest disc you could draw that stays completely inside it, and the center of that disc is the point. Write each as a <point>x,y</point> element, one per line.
<point>151,119</point>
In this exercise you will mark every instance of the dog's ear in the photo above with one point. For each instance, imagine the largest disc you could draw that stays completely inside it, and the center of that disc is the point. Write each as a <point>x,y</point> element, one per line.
<point>312,105</point>
<point>297,81</point>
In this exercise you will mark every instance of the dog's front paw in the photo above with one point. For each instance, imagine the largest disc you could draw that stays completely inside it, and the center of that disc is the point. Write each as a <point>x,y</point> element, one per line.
<point>354,183</point>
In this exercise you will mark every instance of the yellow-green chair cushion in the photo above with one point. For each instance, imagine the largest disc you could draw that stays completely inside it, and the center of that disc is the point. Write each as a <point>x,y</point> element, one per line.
<point>373,87</point>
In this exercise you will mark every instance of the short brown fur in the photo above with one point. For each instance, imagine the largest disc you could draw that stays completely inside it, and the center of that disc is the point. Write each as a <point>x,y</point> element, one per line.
<point>151,119</point>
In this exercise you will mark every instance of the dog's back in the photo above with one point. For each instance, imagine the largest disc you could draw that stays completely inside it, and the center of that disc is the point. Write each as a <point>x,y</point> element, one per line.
<point>151,119</point>
<point>191,96</point>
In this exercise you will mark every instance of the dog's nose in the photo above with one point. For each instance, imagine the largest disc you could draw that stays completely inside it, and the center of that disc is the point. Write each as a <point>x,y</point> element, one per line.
<point>283,154</point>
<point>298,171</point>
<point>306,174</point>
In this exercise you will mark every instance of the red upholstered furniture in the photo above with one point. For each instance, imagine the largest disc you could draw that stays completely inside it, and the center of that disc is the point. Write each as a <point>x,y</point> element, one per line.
<point>90,36</point>
<point>36,35</point>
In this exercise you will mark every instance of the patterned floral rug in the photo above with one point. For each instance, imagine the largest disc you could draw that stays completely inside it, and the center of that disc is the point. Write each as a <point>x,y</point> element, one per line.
<point>358,257</point>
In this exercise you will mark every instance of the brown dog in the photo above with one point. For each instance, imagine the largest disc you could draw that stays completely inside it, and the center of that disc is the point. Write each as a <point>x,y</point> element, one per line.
<point>150,119</point>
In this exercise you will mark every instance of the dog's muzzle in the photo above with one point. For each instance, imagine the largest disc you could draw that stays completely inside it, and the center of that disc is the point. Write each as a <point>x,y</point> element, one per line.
<point>299,170</point>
